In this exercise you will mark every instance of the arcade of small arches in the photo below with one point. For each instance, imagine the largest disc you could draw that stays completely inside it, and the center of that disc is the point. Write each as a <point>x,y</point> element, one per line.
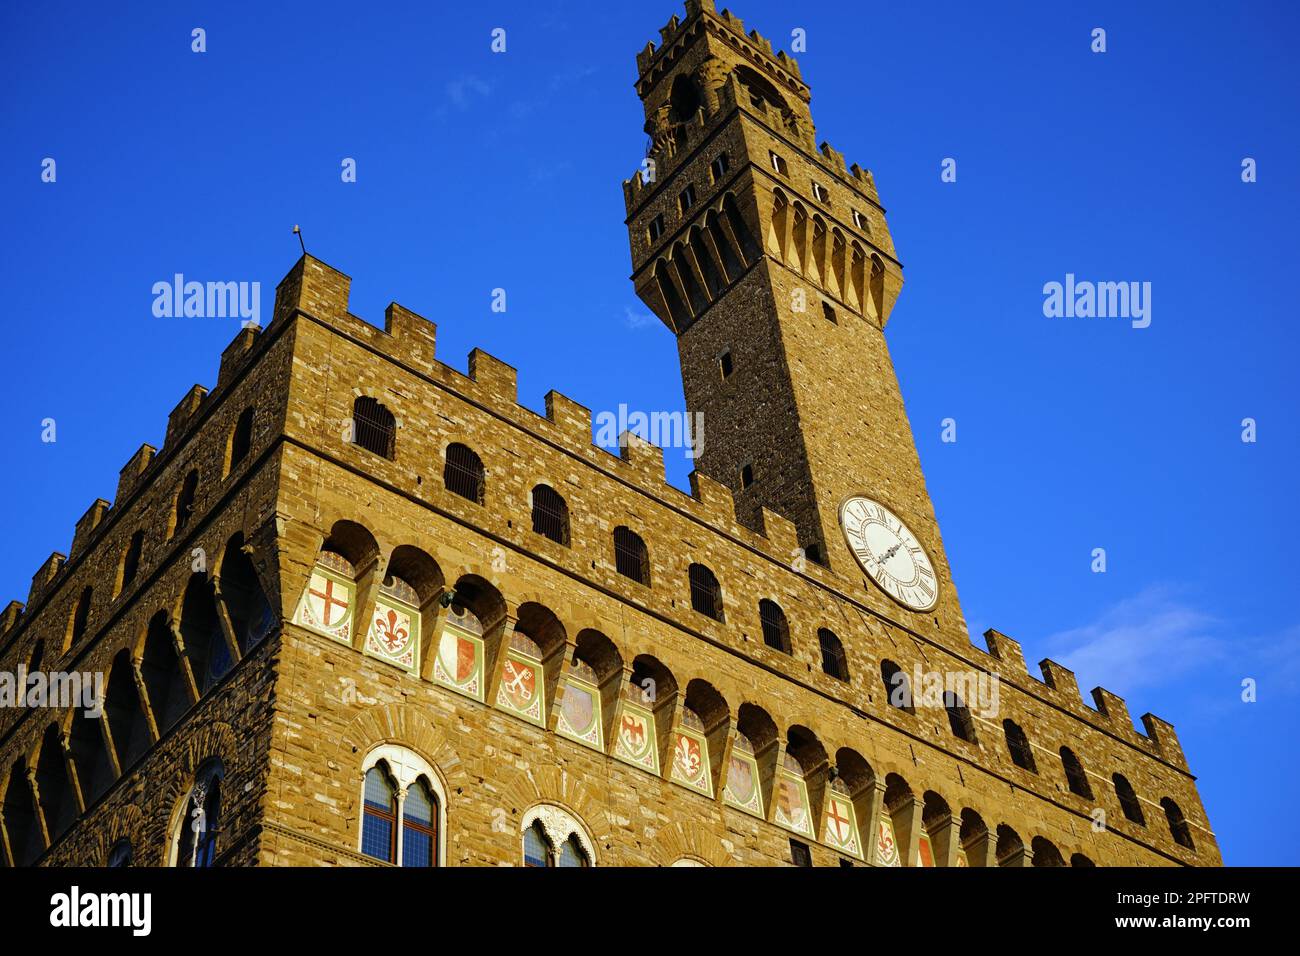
<point>825,257</point>
<point>701,264</point>
<point>464,636</point>
<point>153,681</point>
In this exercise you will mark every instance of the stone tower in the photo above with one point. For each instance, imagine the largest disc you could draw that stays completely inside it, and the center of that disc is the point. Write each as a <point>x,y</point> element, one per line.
<point>773,265</point>
<point>364,608</point>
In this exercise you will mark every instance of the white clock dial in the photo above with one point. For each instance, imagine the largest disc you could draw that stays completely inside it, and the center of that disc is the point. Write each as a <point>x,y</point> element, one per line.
<point>890,553</point>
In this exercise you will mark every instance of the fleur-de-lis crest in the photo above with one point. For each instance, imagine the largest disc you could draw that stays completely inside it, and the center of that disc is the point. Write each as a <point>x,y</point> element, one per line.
<point>390,632</point>
<point>688,757</point>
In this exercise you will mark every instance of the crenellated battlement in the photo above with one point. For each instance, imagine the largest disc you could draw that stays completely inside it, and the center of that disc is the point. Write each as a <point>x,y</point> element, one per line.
<point>676,34</point>
<point>409,340</point>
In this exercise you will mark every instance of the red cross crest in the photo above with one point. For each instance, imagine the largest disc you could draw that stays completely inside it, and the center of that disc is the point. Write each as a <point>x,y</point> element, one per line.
<point>328,601</point>
<point>839,823</point>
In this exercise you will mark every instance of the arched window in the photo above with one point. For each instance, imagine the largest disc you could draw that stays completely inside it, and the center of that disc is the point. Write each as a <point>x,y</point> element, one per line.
<point>130,561</point>
<point>80,616</point>
<point>399,785</point>
<point>120,855</point>
<point>463,473</point>
<point>550,515</point>
<point>241,439</point>
<point>1178,828</point>
<point>185,502</point>
<point>1074,774</point>
<point>706,593</point>
<point>195,842</point>
<point>419,826</point>
<point>1022,754</point>
<point>833,660</point>
<point>373,427</point>
<point>630,556</point>
<point>684,99</point>
<point>898,689</point>
<point>959,718</point>
<point>536,850</point>
<point>379,826</point>
<point>1128,800</point>
<point>552,838</point>
<point>572,854</point>
<point>776,629</point>
<point>1078,859</point>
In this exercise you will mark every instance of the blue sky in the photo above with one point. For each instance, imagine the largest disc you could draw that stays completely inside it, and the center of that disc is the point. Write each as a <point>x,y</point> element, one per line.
<point>478,170</point>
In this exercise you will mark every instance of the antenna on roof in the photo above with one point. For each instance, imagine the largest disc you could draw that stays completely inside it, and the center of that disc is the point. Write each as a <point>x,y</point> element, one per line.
<point>298,232</point>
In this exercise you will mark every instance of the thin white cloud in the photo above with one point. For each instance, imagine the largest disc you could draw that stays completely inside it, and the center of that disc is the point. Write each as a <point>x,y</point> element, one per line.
<point>637,320</point>
<point>1153,638</point>
<point>1162,638</point>
<point>463,91</point>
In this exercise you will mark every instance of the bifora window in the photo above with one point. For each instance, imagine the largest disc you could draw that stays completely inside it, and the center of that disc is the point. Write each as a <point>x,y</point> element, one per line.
<point>402,808</point>
<point>553,838</point>
<point>199,823</point>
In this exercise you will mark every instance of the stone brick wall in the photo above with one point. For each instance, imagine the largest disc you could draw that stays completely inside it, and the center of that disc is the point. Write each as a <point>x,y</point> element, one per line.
<point>814,405</point>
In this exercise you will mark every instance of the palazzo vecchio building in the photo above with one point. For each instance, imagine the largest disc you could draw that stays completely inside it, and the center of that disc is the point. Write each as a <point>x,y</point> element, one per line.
<point>362,609</point>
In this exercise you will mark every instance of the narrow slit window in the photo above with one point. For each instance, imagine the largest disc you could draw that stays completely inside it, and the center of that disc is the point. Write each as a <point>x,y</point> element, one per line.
<point>718,168</point>
<point>687,198</point>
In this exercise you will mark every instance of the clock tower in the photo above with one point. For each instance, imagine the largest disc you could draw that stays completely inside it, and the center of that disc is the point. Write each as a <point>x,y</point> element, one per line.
<point>773,264</point>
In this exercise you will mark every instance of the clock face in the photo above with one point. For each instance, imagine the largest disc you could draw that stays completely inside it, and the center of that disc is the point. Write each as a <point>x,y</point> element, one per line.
<point>890,553</point>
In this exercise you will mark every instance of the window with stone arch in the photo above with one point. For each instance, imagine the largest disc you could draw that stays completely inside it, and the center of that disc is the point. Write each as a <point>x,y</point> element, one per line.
<point>374,427</point>
<point>706,592</point>
<point>184,509</point>
<point>463,474</point>
<point>120,855</point>
<point>1022,753</point>
<point>1178,827</point>
<point>550,514</point>
<point>197,822</point>
<point>1128,800</point>
<point>403,808</point>
<point>553,837</point>
<point>834,662</point>
<point>775,627</point>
